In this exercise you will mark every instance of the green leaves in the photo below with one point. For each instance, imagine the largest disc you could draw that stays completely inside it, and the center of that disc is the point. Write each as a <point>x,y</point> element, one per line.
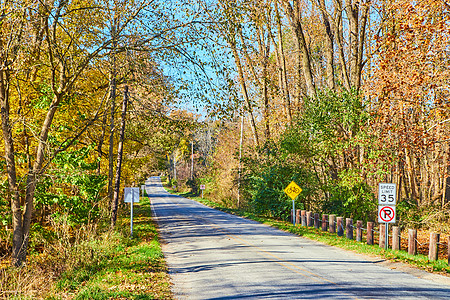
<point>71,187</point>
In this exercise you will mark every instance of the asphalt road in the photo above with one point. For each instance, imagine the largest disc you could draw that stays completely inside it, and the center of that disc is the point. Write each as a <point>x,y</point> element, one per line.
<point>214,255</point>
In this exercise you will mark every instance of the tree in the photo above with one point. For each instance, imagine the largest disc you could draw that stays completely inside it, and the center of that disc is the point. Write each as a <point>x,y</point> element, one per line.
<point>59,54</point>
<point>410,95</point>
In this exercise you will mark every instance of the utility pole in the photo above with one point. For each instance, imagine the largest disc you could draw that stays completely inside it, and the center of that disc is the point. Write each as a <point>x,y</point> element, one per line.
<point>192,160</point>
<point>241,140</point>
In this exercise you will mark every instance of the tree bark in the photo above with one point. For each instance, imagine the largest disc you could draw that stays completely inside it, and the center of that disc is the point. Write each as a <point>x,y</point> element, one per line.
<point>329,46</point>
<point>282,66</point>
<point>115,202</point>
<point>446,192</point>
<point>357,27</point>
<point>264,50</point>
<point>17,220</point>
<point>244,91</point>
<point>295,22</point>
<point>100,142</point>
<point>111,138</point>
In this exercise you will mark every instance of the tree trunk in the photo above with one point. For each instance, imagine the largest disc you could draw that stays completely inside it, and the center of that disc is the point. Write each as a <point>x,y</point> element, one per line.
<point>22,216</point>
<point>293,13</point>
<point>446,193</point>
<point>264,50</point>
<point>237,61</point>
<point>100,142</point>
<point>111,137</point>
<point>115,203</point>
<point>284,82</point>
<point>353,18</point>
<point>338,29</point>
<point>357,27</point>
<point>362,39</point>
<point>329,46</point>
<point>112,98</point>
<point>18,254</point>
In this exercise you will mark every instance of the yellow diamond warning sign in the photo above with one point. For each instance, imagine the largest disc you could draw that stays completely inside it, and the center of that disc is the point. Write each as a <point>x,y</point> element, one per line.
<point>293,190</point>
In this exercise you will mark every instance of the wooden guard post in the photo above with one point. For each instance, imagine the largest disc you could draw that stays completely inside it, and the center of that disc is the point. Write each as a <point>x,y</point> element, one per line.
<point>309,220</point>
<point>448,250</point>
<point>359,231</point>
<point>434,247</point>
<point>349,228</point>
<point>303,217</point>
<point>340,226</point>
<point>297,217</point>
<point>369,233</point>
<point>324,222</point>
<point>396,238</point>
<point>382,236</point>
<point>412,243</point>
<point>332,222</point>
<point>316,221</point>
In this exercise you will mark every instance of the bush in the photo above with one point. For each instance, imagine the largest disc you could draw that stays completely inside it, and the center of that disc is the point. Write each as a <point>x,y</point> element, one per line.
<point>266,178</point>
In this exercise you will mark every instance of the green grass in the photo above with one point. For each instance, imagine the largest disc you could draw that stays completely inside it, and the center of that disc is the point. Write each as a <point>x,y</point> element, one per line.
<point>119,267</point>
<point>420,261</point>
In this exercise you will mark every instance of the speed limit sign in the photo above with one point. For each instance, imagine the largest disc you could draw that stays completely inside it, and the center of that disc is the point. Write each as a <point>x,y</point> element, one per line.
<point>387,193</point>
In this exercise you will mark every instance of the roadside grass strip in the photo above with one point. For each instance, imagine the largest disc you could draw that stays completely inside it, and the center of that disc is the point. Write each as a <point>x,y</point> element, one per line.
<point>420,261</point>
<point>121,267</point>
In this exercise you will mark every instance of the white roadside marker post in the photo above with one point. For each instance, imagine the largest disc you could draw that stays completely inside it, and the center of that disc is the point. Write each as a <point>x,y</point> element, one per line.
<point>131,195</point>
<point>131,215</point>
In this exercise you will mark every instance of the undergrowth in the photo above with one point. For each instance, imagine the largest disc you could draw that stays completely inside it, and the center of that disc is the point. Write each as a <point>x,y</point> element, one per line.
<point>92,263</point>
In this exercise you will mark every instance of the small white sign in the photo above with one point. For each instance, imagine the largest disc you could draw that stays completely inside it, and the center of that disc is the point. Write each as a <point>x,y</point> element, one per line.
<point>386,214</point>
<point>387,193</point>
<point>202,187</point>
<point>131,194</point>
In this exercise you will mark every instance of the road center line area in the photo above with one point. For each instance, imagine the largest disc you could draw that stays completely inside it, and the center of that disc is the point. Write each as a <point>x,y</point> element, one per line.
<point>214,255</point>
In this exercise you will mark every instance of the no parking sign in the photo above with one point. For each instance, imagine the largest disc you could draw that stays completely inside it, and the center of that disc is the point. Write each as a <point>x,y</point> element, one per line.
<point>386,214</point>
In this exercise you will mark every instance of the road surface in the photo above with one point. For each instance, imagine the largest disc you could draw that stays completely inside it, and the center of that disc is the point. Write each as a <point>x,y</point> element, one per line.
<point>214,255</point>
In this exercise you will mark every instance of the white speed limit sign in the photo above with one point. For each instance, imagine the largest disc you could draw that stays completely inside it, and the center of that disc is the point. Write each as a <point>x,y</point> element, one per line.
<point>387,193</point>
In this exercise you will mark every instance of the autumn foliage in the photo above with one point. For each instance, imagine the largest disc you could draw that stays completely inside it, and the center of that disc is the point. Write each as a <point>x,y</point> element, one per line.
<point>335,95</point>
<point>384,116</point>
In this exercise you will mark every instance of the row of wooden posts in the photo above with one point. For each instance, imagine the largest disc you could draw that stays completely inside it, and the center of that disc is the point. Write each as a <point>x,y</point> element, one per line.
<point>335,224</point>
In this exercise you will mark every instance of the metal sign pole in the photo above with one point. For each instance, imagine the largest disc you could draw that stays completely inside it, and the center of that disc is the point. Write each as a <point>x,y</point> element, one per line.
<point>293,212</point>
<point>131,213</point>
<point>386,236</point>
<point>293,190</point>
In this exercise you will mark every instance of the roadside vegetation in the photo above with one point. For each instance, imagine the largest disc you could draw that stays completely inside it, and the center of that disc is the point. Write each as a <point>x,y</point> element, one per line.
<point>337,98</point>
<point>97,95</point>
<point>93,263</point>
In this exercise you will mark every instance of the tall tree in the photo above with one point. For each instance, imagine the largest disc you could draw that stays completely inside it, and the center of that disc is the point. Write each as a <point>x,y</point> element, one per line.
<point>60,52</point>
<point>410,94</point>
<point>294,13</point>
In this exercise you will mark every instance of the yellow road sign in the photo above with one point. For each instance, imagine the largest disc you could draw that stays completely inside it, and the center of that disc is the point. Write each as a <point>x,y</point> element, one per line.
<point>293,190</point>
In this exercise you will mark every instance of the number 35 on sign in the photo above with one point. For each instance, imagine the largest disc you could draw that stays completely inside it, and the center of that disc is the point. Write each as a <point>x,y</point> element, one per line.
<point>387,193</point>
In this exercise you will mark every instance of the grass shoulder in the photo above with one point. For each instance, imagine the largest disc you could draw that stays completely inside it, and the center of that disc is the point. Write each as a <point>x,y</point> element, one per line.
<point>94,263</point>
<point>120,267</point>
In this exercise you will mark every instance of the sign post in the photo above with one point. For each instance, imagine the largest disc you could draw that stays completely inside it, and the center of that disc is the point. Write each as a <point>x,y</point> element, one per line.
<point>293,190</point>
<point>202,187</point>
<point>387,198</point>
<point>131,195</point>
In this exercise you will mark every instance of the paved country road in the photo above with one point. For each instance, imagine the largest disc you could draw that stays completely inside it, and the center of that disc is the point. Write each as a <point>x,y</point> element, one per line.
<point>214,255</point>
